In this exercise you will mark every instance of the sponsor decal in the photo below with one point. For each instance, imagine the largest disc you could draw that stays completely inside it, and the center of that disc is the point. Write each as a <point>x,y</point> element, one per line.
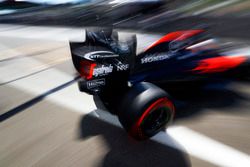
<point>99,55</point>
<point>103,70</point>
<point>95,83</point>
<point>122,67</point>
<point>156,57</point>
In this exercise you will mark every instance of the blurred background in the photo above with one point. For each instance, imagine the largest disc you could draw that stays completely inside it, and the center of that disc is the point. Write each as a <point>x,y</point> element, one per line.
<point>225,17</point>
<point>46,121</point>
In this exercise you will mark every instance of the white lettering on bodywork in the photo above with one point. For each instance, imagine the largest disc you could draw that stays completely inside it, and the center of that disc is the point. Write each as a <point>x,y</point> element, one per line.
<point>155,57</point>
<point>103,70</point>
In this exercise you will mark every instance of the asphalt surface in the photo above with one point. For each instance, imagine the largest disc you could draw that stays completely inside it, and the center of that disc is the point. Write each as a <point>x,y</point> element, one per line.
<point>46,121</point>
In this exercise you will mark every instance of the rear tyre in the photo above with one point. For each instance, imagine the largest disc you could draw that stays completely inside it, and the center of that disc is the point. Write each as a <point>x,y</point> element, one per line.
<point>145,110</point>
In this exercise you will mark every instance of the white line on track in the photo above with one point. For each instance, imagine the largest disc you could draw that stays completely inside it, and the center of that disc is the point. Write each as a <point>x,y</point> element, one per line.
<point>208,149</point>
<point>47,80</point>
<point>43,32</point>
<point>22,67</point>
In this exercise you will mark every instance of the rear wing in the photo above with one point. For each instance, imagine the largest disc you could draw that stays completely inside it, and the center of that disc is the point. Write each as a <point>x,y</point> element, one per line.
<point>76,59</point>
<point>99,67</point>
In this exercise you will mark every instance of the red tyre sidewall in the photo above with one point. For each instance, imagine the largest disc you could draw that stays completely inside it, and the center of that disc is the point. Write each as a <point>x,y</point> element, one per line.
<point>162,102</point>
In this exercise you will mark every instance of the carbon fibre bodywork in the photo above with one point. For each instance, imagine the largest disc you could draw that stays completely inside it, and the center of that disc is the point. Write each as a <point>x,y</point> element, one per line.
<point>188,55</point>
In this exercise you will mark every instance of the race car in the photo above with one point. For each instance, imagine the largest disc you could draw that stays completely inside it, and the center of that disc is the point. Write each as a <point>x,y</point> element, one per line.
<point>130,84</point>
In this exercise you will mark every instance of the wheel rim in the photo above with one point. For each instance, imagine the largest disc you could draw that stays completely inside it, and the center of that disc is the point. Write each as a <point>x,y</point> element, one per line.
<point>156,120</point>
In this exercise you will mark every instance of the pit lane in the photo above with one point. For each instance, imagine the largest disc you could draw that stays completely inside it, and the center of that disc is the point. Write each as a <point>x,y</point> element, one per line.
<point>46,121</point>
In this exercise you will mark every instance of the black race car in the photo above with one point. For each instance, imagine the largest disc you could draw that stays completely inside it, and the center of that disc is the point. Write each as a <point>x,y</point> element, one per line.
<point>130,85</point>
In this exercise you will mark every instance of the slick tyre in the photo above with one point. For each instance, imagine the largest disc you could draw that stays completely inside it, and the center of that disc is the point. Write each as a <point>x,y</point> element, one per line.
<point>145,110</point>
